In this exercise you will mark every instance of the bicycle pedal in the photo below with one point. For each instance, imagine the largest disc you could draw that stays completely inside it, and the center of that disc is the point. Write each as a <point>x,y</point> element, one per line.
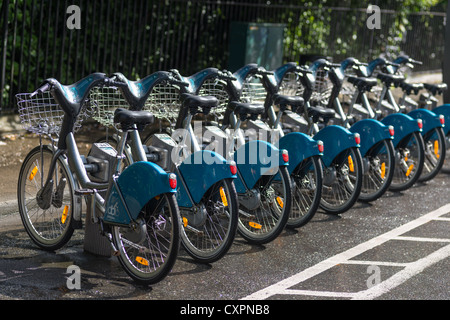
<point>84,192</point>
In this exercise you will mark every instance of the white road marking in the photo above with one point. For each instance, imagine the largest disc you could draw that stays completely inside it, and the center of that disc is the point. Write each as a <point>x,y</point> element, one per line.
<point>410,269</point>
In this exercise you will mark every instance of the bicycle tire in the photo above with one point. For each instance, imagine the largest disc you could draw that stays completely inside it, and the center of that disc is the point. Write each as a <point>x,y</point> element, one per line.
<point>379,164</point>
<point>307,179</point>
<point>446,166</point>
<point>148,252</point>
<point>209,239</point>
<point>342,182</point>
<point>435,152</point>
<point>49,228</point>
<point>258,227</point>
<point>409,160</point>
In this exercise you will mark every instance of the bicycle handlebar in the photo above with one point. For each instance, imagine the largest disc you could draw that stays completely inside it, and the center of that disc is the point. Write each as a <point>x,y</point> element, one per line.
<point>41,89</point>
<point>226,75</point>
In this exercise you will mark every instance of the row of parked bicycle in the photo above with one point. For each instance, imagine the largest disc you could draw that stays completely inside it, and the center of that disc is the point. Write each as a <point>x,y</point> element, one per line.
<point>271,148</point>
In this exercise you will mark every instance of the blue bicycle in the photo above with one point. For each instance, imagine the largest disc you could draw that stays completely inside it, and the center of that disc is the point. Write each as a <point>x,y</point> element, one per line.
<point>206,194</point>
<point>135,208</point>
<point>263,185</point>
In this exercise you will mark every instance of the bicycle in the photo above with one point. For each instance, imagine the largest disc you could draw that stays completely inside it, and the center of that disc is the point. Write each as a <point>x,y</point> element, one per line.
<point>376,146</point>
<point>139,219</point>
<point>341,161</point>
<point>431,123</point>
<point>263,184</point>
<point>206,195</point>
<point>304,168</point>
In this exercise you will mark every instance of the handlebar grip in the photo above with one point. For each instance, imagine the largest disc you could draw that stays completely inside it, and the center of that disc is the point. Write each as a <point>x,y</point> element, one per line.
<point>419,63</point>
<point>41,89</point>
<point>178,82</point>
<point>389,63</point>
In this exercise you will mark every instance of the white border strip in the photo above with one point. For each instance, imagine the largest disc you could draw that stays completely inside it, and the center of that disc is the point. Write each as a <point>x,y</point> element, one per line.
<point>282,286</point>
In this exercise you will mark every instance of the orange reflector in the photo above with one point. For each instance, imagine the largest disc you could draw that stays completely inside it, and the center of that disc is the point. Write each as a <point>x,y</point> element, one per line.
<point>255,225</point>
<point>64,214</point>
<point>33,173</point>
<point>142,261</point>
<point>224,197</point>
<point>383,170</point>
<point>280,202</point>
<point>409,170</point>
<point>185,222</point>
<point>436,148</point>
<point>350,164</point>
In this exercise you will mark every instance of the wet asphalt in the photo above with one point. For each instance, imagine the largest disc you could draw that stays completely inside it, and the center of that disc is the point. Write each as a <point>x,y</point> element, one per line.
<point>28,273</point>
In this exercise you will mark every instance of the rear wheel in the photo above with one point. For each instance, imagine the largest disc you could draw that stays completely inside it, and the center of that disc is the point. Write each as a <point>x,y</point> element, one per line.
<point>342,182</point>
<point>409,160</point>
<point>435,151</point>
<point>149,249</point>
<point>378,164</point>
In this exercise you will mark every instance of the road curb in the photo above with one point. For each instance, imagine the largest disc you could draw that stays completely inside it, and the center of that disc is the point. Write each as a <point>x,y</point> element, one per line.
<point>8,207</point>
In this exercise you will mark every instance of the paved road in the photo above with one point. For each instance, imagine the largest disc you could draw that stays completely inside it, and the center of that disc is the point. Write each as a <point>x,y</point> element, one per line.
<point>401,242</point>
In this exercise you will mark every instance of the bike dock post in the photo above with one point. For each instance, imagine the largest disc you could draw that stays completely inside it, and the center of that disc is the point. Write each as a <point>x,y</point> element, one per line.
<point>94,241</point>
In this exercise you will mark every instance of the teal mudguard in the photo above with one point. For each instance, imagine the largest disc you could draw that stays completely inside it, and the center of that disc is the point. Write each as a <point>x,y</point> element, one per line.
<point>335,140</point>
<point>299,146</point>
<point>138,184</point>
<point>403,126</point>
<point>371,132</point>
<point>445,111</point>
<point>254,159</point>
<point>199,172</point>
<point>430,119</point>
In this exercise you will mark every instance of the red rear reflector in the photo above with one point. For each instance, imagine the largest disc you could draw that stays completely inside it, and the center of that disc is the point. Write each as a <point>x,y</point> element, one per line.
<point>173,180</point>
<point>320,146</point>
<point>391,131</point>
<point>233,168</point>
<point>442,119</point>
<point>357,138</point>
<point>285,155</point>
<point>419,123</point>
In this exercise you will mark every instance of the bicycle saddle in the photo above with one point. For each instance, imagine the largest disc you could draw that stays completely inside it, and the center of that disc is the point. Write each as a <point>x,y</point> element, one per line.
<point>363,84</point>
<point>283,101</point>
<point>411,87</point>
<point>390,79</point>
<point>128,118</point>
<point>436,88</point>
<point>137,92</point>
<point>194,102</point>
<point>319,112</point>
<point>245,110</point>
<point>71,97</point>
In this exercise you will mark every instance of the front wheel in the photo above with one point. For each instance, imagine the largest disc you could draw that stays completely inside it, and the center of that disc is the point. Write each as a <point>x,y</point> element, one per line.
<point>148,250</point>
<point>48,222</point>
<point>342,182</point>
<point>209,228</point>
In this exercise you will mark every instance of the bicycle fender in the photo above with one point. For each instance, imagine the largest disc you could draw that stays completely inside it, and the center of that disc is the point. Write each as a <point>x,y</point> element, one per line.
<point>371,132</point>
<point>254,159</point>
<point>299,146</point>
<point>430,120</point>
<point>137,185</point>
<point>403,125</point>
<point>199,172</point>
<point>445,111</point>
<point>335,140</point>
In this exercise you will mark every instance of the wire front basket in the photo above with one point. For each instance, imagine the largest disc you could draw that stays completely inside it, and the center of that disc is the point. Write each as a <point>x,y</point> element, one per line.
<point>216,88</point>
<point>164,102</point>
<point>103,102</point>
<point>41,114</point>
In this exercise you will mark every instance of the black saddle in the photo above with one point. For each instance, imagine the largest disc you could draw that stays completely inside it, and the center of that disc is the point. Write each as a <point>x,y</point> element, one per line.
<point>246,110</point>
<point>409,88</point>
<point>321,114</point>
<point>391,79</point>
<point>127,119</point>
<point>198,104</point>
<point>283,101</point>
<point>363,84</point>
<point>436,88</point>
